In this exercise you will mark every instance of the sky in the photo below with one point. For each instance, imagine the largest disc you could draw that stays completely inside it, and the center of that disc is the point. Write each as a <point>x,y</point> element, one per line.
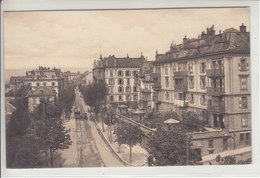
<point>76,38</point>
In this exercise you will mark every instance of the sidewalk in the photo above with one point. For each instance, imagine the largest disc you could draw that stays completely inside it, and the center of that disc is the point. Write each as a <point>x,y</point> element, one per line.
<point>139,154</point>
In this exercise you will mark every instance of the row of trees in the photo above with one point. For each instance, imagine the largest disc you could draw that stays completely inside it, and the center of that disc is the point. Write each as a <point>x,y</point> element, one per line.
<point>33,139</point>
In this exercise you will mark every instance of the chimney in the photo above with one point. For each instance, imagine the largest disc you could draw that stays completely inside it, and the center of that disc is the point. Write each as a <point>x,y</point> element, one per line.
<point>242,28</point>
<point>184,40</point>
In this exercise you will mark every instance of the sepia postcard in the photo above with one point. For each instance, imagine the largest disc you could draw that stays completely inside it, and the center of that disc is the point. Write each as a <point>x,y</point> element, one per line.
<point>128,88</point>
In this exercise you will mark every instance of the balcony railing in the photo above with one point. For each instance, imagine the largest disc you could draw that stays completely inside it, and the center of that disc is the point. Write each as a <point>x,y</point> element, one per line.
<point>218,107</point>
<point>181,103</point>
<point>215,91</point>
<point>181,88</point>
<point>180,73</point>
<point>215,72</point>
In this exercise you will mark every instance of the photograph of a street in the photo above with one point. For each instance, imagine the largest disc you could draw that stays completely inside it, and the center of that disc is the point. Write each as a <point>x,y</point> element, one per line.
<point>127,88</point>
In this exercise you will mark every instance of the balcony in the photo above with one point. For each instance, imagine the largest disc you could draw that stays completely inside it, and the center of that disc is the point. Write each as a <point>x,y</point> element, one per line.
<point>215,91</point>
<point>181,103</point>
<point>215,73</point>
<point>181,88</point>
<point>180,74</point>
<point>218,107</point>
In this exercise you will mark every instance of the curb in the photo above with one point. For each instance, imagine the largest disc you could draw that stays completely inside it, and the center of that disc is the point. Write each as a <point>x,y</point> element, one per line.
<point>109,146</point>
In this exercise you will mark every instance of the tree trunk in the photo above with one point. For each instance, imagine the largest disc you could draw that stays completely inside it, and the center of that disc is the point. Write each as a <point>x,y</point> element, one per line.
<point>51,157</point>
<point>130,151</point>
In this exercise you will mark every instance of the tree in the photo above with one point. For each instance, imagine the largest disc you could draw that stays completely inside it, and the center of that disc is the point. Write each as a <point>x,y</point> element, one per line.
<point>109,121</point>
<point>231,160</point>
<point>190,122</point>
<point>66,99</point>
<point>51,131</point>
<point>95,94</point>
<point>171,148</point>
<point>128,134</point>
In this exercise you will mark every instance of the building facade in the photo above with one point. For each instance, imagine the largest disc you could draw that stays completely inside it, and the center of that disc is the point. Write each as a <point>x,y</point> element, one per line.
<point>211,76</point>
<point>45,77</point>
<point>120,77</point>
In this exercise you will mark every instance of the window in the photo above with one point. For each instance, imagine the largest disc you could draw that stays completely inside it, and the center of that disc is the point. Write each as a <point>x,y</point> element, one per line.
<point>243,82</point>
<point>111,73</point>
<point>128,81</point>
<point>120,89</point>
<point>202,67</point>
<point>243,64</point>
<point>127,73</point>
<point>191,98</point>
<point>190,67</point>
<point>120,73</point>
<point>44,84</point>
<point>182,67</point>
<point>203,100</point>
<point>120,81</point>
<point>53,84</point>
<point>191,82</point>
<point>135,88</point>
<point>120,98</point>
<point>128,97</point>
<point>174,68</point>
<point>247,138</point>
<point>211,144</point>
<point>166,68</point>
<point>243,102</point>
<point>111,98</point>
<point>135,97</point>
<point>128,89</point>
<point>244,120</point>
<point>134,73</point>
<point>111,81</point>
<point>241,138</point>
<point>203,82</point>
<point>167,96</point>
<point>38,84</point>
<point>167,82</point>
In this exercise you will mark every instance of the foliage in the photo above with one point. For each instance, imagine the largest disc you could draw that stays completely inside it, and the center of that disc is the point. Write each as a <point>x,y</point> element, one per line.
<point>66,99</point>
<point>231,160</point>
<point>128,134</point>
<point>190,122</point>
<point>171,148</point>
<point>94,94</point>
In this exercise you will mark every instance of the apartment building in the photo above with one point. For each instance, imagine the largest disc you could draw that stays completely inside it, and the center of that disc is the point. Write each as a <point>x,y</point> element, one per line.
<point>45,77</point>
<point>120,76</point>
<point>211,76</point>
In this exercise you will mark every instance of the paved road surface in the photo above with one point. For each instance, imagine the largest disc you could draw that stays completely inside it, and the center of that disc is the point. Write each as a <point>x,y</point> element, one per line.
<point>87,149</point>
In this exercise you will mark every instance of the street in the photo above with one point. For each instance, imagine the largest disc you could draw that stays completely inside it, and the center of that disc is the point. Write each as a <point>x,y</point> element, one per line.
<point>87,149</point>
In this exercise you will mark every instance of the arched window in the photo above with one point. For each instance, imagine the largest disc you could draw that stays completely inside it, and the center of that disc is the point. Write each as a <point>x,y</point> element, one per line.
<point>38,84</point>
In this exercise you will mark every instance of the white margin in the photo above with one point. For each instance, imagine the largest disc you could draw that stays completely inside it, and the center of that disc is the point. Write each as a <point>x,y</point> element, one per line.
<point>202,171</point>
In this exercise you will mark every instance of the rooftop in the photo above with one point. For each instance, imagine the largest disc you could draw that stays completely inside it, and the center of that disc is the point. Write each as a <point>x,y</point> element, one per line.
<point>119,62</point>
<point>231,40</point>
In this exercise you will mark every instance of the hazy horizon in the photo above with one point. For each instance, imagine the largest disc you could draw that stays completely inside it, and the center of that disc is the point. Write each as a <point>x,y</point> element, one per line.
<point>22,71</point>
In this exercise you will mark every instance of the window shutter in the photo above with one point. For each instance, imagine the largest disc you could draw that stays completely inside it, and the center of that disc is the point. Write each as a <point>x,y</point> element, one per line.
<point>239,65</point>
<point>201,102</point>
<point>240,102</point>
<point>211,65</point>
<point>200,68</point>
<point>201,83</point>
<point>222,64</point>
<point>247,64</point>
